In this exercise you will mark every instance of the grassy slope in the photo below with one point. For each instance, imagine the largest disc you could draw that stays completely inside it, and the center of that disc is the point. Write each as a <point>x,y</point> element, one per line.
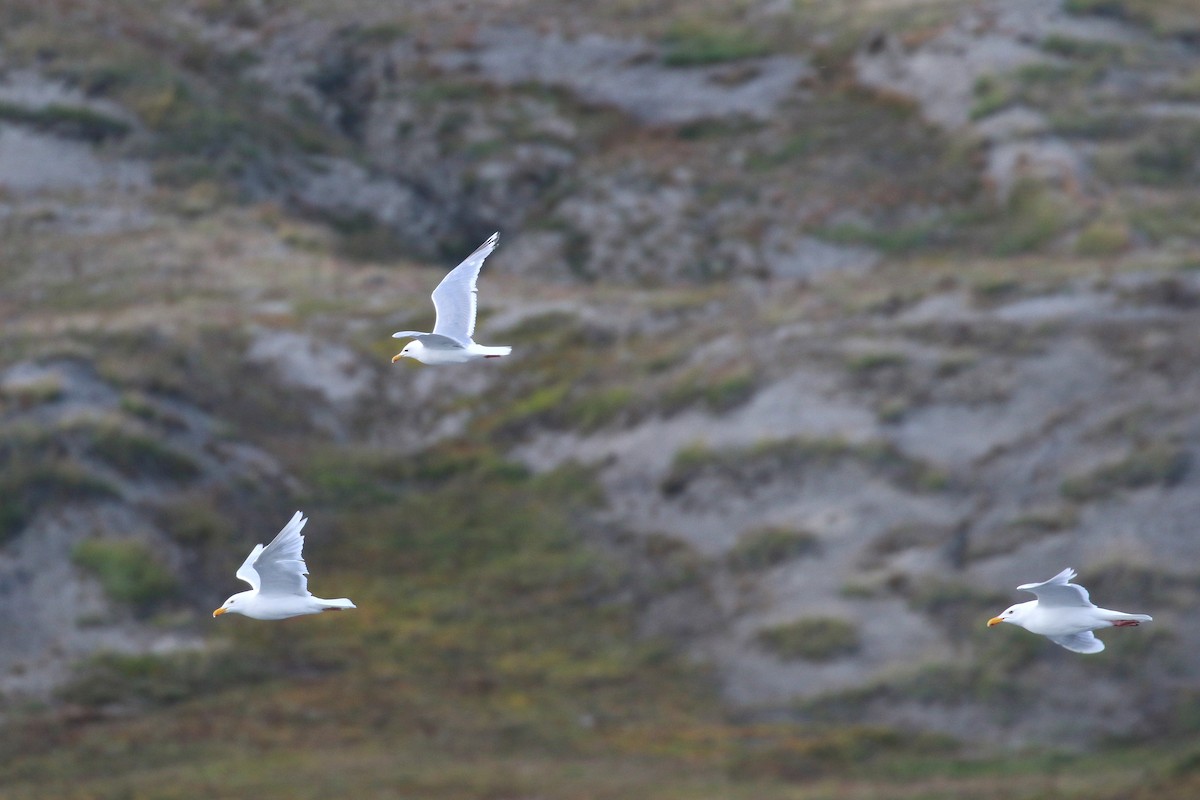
<point>494,652</point>
<point>490,656</point>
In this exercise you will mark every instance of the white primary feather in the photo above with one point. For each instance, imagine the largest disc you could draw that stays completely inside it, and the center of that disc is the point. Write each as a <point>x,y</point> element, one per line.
<point>455,298</point>
<point>279,567</point>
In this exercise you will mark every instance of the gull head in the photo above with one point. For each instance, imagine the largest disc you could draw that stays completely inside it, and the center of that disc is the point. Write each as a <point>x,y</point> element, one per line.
<point>236,604</point>
<point>411,350</point>
<point>1014,614</point>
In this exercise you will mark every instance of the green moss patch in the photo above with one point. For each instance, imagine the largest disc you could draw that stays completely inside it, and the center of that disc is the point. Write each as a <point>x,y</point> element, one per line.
<point>771,546</point>
<point>129,571</point>
<point>809,757</point>
<point>719,390</point>
<point>812,639</point>
<point>71,121</point>
<point>27,487</point>
<point>1150,465</point>
<point>137,455</point>
<point>154,680</point>
<point>760,462</point>
<point>695,45</point>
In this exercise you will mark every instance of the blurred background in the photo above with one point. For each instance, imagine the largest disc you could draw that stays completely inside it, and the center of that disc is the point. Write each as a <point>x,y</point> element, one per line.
<point>832,322</point>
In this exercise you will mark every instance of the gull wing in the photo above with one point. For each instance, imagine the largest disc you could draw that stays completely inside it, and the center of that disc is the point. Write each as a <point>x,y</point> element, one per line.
<point>1082,642</point>
<point>246,571</point>
<point>1058,592</point>
<point>279,567</point>
<point>435,341</point>
<point>455,296</point>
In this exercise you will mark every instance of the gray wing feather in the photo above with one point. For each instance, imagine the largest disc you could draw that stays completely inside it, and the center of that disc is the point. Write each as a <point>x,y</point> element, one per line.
<point>1082,642</point>
<point>280,565</point>
<point>1059,592</point>
<point>409,334</point>
<point>455,296</point>
<point>435,341</point>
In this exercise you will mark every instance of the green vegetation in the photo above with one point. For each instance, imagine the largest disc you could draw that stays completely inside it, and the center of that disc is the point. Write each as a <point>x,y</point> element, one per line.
<point>1094,125</point>
<point>995,288</point>
<point>903,537</point>
<point>1161,222</point>
<point>762,548</point>
<point>126,680</point>
<point>361,477</point>
<point>1163,17</point>
<point>1035,215</point>
<point>136,455</point>
<point>602,407</point>
<point>795,147</point>
<point>127,569</point>
<point>207,121</point>
<point>719,389</point>
<point>502,646</point>
<point>869,362</point>
<point>1068,47</point>
<point>806,758</point>
<point>895,241</point>
<point>1023,529</point>
<point>362,237</point>
<point>1104,237</point>
<point>1148,465</point>
<point>674,564</point>
<point>1128,583</point>
<point>71,121</point>
<point>956,606</point>
<point>1100,8</point>
<point>991,95</point>
<point>1167,157</point>
<point>788,456</point>
<point>696,44</point>
<point>25,488</point>
<point>716,129</point>
<point>812,639</point>
<point>195,522</point>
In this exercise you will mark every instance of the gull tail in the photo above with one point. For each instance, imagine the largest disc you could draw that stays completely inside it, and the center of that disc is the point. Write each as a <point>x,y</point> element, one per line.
<point>338,603</point>
<point>1120,616</point>
<point>494,352</point>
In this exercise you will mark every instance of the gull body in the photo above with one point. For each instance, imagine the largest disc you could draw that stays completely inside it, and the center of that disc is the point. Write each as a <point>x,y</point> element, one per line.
<point>1064,613</point>
<point>454,299</point>
<point>276,574</point>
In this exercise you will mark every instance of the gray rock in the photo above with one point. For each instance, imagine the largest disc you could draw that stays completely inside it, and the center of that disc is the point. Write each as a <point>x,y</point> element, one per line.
<point>1012,123</point>
<point>629,75</point>
<point>39,162</point>
<point>809,257</point>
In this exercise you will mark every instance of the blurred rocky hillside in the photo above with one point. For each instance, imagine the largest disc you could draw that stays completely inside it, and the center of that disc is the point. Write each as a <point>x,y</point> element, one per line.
<point>846,317</point>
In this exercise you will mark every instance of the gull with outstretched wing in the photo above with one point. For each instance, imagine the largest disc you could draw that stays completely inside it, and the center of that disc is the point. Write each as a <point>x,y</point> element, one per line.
<point>277,577</point>
<point>1065,614</point>
<point>455,302</point>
